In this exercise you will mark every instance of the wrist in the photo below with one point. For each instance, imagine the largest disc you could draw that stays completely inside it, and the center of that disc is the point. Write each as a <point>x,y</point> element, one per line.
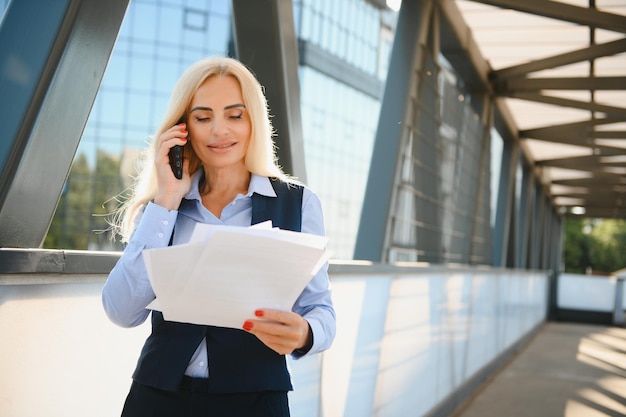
<point>308,341</point>
<point>168,202</point>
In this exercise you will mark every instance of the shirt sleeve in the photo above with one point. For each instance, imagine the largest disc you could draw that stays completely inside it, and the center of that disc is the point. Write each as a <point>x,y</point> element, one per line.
<point>315,303</point>
<point>127,290</point>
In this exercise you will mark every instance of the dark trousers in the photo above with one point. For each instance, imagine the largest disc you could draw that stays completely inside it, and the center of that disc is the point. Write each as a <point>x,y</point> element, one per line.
<point>192,401</point>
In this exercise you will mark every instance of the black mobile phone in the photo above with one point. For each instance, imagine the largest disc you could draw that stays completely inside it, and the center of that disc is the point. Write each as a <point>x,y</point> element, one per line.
<point>176,161</point>
<point>176,158</point>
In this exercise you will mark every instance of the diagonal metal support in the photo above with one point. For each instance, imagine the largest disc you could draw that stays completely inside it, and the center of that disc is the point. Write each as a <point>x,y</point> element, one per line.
<point>585,54</point>
<point>576,104</point>
<point>562,11</point>
<point>585,163</point>
<point>406,55</point>
<point>54,75</point>
<point>564,83</point>
<point>577,129</point>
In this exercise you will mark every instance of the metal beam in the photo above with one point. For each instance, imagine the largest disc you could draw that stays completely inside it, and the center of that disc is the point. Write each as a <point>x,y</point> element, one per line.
<point>606,134</point>
<point>586,162</point>
<point>460,48</point>
<point>579,129</point>
<point>585,54</point>
<point>598,186</point>
<point>564,83</point>
<point>586,16</point>
<point>266,42</point>
<point>564,102</point>
<point>312,55</point>
<point>505,203</point>
<point>50,80</point>
<point>26,69</point>
<point>607,180</point>
<point>577,142</point>
<point>568,164</point>
<point>597,199</point>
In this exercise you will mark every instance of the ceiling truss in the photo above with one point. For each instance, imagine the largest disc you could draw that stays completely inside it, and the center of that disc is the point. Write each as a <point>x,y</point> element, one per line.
<point>602,189</point>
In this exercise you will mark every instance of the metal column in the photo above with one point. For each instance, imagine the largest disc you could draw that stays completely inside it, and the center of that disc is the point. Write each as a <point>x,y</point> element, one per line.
<point>266,42</point>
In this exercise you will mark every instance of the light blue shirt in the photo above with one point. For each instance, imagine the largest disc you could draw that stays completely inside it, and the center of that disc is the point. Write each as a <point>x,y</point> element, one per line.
<point>127,290</point>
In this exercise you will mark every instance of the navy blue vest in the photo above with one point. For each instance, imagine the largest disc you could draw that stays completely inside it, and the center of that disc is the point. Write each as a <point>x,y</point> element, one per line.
<point>238,361</point>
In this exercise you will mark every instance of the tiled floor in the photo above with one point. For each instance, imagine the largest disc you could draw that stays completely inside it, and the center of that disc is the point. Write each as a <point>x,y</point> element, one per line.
<point>567,370</point>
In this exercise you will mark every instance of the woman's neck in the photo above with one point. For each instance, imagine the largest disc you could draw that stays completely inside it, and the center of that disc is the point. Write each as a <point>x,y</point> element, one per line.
<point>225,181</point>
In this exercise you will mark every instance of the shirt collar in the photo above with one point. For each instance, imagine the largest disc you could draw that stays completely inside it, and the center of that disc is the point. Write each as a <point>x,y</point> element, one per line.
<point>261,185</point>
<point>258,184</point>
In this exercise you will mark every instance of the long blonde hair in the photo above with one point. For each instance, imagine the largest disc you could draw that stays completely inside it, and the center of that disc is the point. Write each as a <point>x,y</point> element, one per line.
<point>261,155</point>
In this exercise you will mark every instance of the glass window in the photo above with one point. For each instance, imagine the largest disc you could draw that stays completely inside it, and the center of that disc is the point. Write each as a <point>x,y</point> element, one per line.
<point>221,8</point>
<point>149,56</point>
<point>170,24</point>
<point>220,33</point>
<point>384,51</point>
<point>339,123</point>
<point>338,143</point>
<point>441,210</point>
<point>140,73</point>
<point>194,19</point>
<point>3,7</point>
<point>344,29</point>
<point>144,18</point>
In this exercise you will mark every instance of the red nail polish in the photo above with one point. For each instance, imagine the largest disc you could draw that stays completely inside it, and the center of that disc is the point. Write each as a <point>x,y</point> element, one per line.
<point>259,313</point>
<point>247,325</point>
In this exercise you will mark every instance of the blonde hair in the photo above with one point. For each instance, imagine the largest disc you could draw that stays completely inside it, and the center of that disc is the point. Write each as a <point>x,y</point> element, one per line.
<point>260,159</point>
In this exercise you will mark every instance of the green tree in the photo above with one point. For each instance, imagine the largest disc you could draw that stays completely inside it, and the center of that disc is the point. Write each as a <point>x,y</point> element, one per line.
<point>69,222</point>
<point>599,244</point>
<point>575,245</point>
<point>608,251</point>
<point>80,221</point>
<point>107,185</point>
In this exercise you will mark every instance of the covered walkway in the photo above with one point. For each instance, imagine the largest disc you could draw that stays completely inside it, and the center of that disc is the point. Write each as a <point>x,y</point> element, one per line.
<point>569,370</point>
<point>497,119</point>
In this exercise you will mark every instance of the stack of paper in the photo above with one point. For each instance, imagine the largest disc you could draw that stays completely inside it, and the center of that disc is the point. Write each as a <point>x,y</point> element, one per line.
<point>226,273</point>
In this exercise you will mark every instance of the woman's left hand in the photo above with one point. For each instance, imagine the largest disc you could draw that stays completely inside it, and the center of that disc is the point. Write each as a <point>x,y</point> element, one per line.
<point>281,331</point>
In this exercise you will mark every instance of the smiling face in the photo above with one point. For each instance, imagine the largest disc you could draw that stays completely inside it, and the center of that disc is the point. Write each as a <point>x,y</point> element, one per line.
<point>218,123</point>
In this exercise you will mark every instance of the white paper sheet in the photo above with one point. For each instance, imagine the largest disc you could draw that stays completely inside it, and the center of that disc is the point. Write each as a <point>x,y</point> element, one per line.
<point>225,273</point>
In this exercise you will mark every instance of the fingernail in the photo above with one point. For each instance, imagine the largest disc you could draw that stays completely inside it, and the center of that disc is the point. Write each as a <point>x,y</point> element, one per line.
<point>259,313</point>
<point>247,325</point>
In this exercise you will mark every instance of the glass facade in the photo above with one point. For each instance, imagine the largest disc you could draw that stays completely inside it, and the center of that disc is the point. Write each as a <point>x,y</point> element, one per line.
<point>443,199</point>
<point>159,39</point>
<point>339,124</point>
<point>349,29</point>
<point>339,120</point>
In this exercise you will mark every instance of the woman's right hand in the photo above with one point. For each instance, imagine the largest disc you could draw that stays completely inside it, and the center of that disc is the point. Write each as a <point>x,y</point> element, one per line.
<point>170,189</point>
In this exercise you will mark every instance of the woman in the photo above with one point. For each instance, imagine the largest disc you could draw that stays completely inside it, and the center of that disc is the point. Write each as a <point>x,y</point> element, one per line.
<point>219,114</point>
